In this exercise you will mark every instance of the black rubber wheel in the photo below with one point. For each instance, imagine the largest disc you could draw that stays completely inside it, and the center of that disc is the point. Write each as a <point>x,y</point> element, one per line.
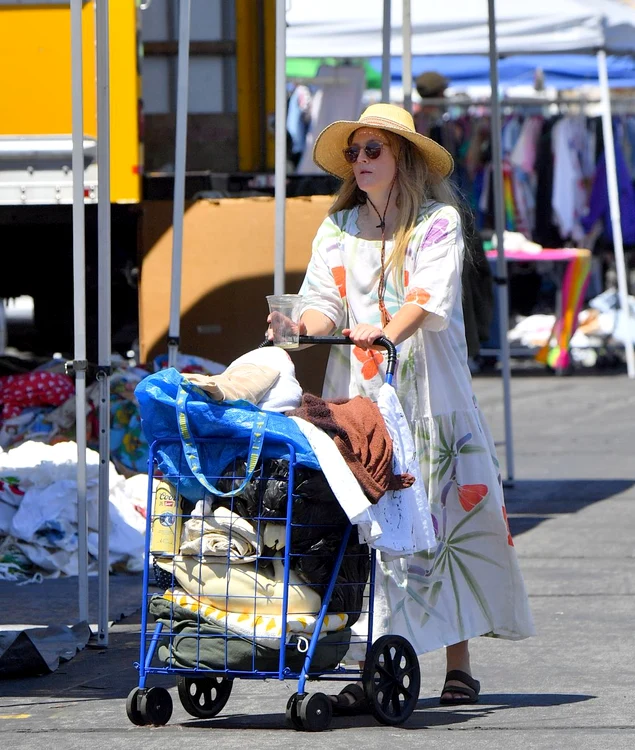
<point>315,712</point>
<point>155,706</point>
<point>204,697</point>
<point>392,679</point>
<point>132,707</point>
<point>292,712</point>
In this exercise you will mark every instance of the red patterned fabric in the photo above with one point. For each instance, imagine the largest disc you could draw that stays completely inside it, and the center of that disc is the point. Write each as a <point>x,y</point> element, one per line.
<point>17,392</point>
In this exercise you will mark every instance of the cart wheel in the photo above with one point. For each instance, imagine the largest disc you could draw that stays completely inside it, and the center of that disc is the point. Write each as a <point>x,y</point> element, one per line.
<point>204,697</point>
<point>132,707</point>
<point>155,706</point>
<point>315,712</point>
<point>292,712</point>
<point>392,679</point>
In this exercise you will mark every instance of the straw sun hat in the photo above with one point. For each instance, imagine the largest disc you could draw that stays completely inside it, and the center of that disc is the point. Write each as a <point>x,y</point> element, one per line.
<point>330,144</point>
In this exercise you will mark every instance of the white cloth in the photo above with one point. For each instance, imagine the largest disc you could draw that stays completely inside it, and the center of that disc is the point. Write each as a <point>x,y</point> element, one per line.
<point>404,514</point>
<point>219,532</point>
<point>570,197</point>
<point>338,97</point>
<point>286,392</point>
<point>44,524</point>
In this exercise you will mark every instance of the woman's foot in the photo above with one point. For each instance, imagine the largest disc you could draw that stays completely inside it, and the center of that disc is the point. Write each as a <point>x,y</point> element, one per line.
<point>459,676</point>
<point>350,701</point>
<point>459,688</point>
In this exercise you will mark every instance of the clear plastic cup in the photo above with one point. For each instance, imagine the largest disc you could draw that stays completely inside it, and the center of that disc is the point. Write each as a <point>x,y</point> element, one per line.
<point>285,312</point>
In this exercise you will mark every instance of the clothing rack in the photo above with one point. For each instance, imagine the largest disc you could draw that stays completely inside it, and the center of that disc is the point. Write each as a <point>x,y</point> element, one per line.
<point>518,101</point>
<point>316,80</point>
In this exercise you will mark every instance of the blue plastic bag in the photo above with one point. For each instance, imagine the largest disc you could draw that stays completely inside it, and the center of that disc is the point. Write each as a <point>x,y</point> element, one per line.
<point>196,463</point>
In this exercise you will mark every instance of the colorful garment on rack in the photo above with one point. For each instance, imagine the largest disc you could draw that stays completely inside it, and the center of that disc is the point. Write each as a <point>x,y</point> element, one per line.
<point>576,279</point>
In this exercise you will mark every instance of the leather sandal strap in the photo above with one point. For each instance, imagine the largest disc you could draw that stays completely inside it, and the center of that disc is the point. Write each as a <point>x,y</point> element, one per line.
<point>460,676</point>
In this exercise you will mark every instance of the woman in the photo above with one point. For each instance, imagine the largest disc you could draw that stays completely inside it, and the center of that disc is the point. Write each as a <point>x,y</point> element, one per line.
<point>387,261</point>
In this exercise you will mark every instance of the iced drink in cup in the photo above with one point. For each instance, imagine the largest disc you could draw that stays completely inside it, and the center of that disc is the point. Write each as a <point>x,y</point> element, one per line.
<point>285,319</point>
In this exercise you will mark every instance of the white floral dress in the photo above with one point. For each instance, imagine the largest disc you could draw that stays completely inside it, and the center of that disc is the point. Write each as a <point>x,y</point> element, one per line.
<point>470,585</point>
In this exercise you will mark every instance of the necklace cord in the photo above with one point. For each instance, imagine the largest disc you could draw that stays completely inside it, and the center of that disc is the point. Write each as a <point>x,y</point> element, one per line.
<point>381,289</point>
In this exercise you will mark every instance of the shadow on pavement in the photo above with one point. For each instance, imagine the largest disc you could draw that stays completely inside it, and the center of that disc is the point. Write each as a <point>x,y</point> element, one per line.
<point>422,718</point>
<point>530,502</point>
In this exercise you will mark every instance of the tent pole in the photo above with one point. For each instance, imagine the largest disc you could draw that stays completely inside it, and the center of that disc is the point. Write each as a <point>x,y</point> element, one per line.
<point>499,216</point>
<point>280,178</point>
<point>104,306</point>
<point>385,57</point>
<point>614,202</point>
<point>178,206</point>
<point>406,58</point>
<point>79,301</point>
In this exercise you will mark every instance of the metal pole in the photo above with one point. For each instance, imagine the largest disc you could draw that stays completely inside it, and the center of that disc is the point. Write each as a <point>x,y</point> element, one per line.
<point>406,57</point>
<point>79,301</point>
<point>499,220</point>
<point>281,148</point>
<point>614,203</point>
<point>385,57</point>
<point>178,210</point>
<point>104,305</point>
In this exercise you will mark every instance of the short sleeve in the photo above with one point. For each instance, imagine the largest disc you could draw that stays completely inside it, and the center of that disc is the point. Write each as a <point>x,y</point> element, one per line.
<point>435,279</point>
<point>324,285</point>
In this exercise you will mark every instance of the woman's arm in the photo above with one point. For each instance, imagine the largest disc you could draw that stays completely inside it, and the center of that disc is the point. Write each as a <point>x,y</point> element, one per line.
<point>315,323</point>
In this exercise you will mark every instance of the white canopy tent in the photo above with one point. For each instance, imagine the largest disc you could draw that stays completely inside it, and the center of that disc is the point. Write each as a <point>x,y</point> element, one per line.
<point>350,29</point>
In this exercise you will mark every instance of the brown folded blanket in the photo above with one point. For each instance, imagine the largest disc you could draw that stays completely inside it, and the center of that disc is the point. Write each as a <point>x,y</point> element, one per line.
<point>359,431</point>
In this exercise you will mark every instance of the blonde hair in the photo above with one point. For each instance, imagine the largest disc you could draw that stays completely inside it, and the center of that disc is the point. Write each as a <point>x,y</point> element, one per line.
<point>415,184</point>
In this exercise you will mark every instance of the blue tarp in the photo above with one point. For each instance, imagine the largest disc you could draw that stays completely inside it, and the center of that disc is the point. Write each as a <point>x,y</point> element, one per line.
<point>561,70</point>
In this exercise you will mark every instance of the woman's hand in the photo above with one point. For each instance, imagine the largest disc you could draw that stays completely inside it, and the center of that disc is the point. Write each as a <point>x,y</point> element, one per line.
<point>283,322</point>
<point>363,335</point>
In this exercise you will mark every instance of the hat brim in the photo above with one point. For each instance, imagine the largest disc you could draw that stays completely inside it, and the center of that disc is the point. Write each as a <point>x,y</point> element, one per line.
<point>330,144</point>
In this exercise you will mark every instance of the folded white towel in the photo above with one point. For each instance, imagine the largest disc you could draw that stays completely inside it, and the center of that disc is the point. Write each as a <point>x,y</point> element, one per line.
<point>219,532</point>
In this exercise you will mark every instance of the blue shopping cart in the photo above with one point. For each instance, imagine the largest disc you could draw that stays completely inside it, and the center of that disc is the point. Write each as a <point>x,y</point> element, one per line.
<point>258,576</point>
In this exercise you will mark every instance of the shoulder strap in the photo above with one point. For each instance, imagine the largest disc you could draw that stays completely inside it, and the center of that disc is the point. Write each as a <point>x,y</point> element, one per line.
<point>190,449</point>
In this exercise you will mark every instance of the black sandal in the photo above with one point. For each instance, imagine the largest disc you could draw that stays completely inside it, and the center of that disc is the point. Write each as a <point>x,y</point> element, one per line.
<point>350,701</point>
<point>469,691</point>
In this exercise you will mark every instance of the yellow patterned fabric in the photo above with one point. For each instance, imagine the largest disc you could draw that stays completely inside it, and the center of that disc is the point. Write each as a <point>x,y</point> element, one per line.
<point>263,629</point>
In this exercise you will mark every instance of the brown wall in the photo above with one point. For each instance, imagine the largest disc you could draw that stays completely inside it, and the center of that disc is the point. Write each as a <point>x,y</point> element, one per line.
<point>228,259</point>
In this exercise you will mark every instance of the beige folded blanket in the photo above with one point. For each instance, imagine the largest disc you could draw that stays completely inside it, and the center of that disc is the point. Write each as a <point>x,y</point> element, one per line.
<point>240,588</point>
<point>241,382</point>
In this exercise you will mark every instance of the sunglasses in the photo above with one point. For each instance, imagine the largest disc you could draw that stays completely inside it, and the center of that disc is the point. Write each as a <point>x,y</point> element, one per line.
<point>372,150</point>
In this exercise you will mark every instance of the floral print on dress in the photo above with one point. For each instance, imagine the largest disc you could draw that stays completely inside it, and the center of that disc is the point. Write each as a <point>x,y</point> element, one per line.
<point>339,274</point>
<point>437,232</point>
<point>470,495</point>
<point>418,296</point>
<point>510,541</point>
<point>370,361</point>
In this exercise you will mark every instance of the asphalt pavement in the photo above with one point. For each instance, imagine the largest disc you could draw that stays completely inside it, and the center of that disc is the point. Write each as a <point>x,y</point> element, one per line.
<point>572,512</point>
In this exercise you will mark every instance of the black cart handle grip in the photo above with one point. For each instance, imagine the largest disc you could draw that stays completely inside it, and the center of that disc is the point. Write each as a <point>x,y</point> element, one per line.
<point>390,348</point>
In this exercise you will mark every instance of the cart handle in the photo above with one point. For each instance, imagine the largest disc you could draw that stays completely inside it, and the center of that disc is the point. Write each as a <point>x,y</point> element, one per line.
<point>391,349</point>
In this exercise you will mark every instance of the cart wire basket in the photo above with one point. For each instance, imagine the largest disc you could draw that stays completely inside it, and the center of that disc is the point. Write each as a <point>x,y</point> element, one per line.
<point>260,576</point>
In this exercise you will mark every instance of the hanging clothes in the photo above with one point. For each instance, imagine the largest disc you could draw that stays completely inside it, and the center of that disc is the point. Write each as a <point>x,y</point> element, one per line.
<point>600,209</point>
